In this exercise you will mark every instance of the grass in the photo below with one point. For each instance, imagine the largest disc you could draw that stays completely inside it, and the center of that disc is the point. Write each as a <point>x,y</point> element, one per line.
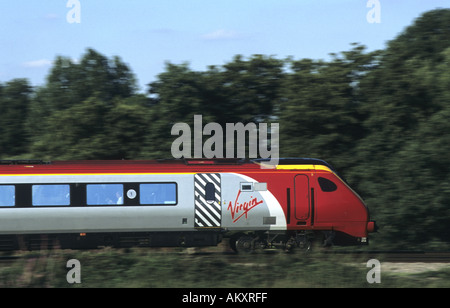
<point>175,268</point>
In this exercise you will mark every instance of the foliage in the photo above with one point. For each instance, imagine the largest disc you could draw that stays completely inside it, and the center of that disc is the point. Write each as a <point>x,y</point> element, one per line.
<point>15,99</point>
<point>381,118</point>
<point>153,268</point>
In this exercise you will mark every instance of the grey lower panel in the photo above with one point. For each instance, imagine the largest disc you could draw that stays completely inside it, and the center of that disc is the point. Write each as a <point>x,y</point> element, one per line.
<point>118,240</point>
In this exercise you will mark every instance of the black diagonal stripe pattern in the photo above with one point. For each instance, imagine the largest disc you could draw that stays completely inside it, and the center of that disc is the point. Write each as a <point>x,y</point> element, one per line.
<point>207,214</point>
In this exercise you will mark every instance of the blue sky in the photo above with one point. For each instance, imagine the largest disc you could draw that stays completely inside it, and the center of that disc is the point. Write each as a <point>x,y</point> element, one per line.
<point>147,33</point>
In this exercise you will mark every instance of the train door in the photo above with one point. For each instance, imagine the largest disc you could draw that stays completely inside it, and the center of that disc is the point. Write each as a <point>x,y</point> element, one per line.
<point>302,202</point>
<point>207,194</point>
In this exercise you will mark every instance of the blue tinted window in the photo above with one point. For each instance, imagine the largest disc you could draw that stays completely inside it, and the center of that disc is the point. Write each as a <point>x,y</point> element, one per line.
<point>158,193</point>
<point>210,192</point>
<point>51,195</point>
<point>104,194</point>
<point>7,195</point>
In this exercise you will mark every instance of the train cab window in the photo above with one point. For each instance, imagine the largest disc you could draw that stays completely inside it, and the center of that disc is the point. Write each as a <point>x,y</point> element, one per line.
<point>158,194</point>
<point>7,195</point>
<point>104,194</point>
<point>327,185</point>
<point>50,195</point>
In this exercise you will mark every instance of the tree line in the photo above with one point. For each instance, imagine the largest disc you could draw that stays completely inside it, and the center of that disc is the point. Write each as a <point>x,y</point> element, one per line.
<point>381,118</point>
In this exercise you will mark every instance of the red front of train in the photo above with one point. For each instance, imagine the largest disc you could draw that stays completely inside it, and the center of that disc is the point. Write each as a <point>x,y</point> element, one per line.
<point>314,198</point>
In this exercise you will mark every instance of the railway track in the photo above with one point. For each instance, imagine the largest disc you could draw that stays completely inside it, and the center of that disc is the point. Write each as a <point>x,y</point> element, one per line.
<point>383,256</point>
<point>398,256</point>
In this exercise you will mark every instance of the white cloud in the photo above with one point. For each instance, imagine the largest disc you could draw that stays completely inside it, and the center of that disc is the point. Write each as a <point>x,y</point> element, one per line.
<point>37,63</point>
<point>221,34</point>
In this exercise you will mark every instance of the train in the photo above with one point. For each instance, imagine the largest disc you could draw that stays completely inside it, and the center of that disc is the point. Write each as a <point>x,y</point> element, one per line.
<point>178,203</point>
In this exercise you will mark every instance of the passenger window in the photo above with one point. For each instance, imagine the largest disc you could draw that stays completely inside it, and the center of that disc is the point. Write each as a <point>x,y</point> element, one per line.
<point>7,195</point>
<point>326,185</point>
<point>158,194</point>
<point>104,194</point>
<point>50,195</point>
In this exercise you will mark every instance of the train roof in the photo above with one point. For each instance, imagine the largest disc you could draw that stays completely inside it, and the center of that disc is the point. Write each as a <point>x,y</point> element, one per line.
<point>158,166</point>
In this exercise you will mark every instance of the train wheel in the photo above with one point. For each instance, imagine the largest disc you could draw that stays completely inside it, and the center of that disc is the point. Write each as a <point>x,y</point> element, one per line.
<point>233,239</point>
<point>305,245</point>
<point>301,243</point>
<point>245,244</point>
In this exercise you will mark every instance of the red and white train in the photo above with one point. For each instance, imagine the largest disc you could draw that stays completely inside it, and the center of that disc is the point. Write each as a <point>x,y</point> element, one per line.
<point>190,203</point>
